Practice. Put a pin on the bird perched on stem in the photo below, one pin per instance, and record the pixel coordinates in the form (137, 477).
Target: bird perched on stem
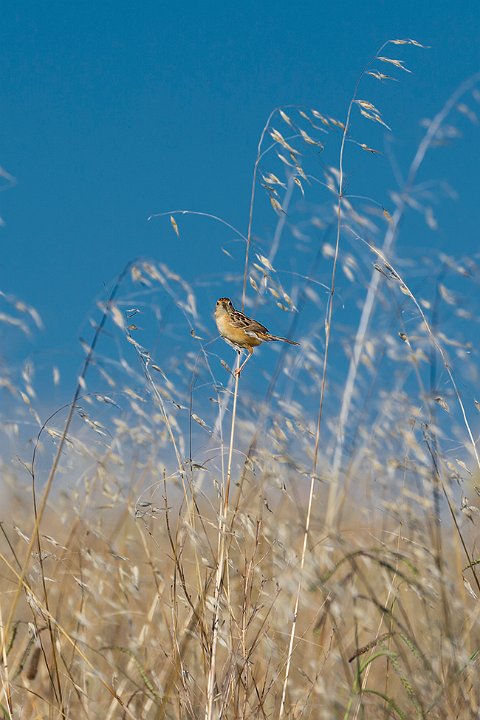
(242, 332)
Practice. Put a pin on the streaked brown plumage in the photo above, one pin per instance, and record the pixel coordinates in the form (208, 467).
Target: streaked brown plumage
(240, 331)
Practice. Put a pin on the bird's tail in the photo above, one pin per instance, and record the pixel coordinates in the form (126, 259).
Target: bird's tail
(276, 337)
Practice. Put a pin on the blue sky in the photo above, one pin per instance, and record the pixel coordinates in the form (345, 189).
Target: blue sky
(114, 111)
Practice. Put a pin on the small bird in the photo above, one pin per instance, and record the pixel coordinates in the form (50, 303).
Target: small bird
(240, 331)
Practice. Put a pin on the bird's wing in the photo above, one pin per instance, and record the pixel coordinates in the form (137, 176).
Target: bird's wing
(241, 321)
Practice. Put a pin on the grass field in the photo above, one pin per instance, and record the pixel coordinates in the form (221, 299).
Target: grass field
(180, 543)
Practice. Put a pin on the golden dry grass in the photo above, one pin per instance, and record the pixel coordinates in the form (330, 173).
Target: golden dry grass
(131, 591)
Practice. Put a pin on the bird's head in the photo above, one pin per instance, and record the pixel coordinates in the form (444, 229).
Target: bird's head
(224, 304)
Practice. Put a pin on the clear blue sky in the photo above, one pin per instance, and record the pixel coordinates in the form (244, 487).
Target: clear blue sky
(113, 111)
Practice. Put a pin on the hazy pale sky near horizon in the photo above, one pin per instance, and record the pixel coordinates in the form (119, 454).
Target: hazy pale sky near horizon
(113, 111)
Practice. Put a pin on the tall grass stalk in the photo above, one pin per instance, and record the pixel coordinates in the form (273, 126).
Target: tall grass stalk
(222, 557)
(328, 327)
(388, 243)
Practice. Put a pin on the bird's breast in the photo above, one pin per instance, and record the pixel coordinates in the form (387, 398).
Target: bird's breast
(236, 335)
